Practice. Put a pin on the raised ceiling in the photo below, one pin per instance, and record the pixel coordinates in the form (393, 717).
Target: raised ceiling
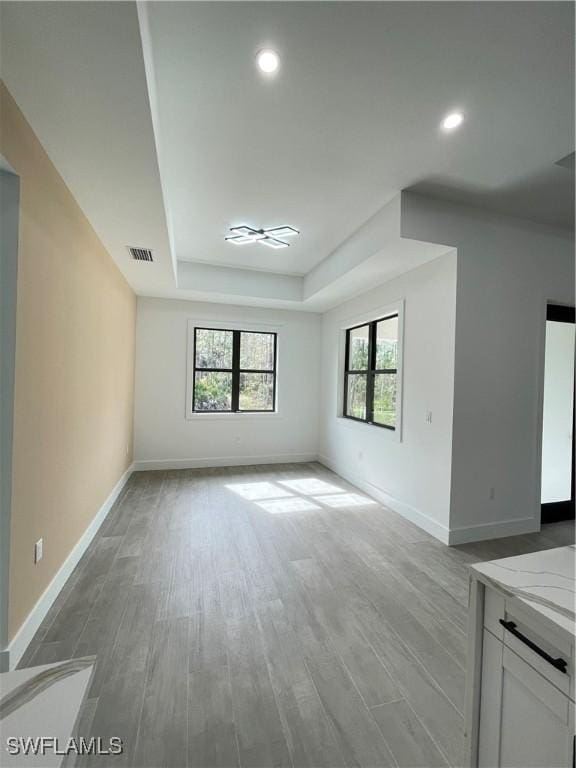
(165, 131)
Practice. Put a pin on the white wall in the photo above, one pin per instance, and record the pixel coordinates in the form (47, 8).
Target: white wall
(473, 355)
(558, 412)
(163, 435)
(411, 476)
(507, 270)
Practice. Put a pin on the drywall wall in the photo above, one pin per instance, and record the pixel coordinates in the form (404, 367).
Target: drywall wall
(74, 370)
(412, 474)
(165, 437)
(508, 269)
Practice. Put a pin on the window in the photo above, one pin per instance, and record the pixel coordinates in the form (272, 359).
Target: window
(234, 371)
(371, 372)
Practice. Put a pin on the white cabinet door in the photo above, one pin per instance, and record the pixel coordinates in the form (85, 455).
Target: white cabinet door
(525, 721)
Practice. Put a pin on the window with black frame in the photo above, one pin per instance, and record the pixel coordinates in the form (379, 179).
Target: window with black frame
(371, 372)
(234, 371)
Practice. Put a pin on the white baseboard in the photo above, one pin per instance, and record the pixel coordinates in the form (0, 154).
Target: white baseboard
(404, 510)
(28, 629)
(498, 530)
(223, 461)
(450, 536)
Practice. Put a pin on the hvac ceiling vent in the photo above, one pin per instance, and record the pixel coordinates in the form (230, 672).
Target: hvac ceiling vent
(140, 254)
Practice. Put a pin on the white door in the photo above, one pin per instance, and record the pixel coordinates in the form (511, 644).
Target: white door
(525, 721)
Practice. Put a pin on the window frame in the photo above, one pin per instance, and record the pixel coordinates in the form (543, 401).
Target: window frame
(371, 371)
(235, 371)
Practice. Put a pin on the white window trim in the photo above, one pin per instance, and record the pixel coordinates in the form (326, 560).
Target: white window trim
(245, 325)
(393, 308)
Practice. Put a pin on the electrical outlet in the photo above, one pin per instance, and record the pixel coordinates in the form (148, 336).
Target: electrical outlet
(38, 550)
(492, 494)
(428, 417)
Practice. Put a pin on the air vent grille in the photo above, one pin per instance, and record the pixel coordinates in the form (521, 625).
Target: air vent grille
(140, 254)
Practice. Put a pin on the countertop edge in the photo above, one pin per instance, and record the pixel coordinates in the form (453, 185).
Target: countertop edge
(526, 604)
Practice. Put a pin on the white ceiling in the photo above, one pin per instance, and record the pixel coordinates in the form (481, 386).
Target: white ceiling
(166, 132)
(77, 73)
(352, 117)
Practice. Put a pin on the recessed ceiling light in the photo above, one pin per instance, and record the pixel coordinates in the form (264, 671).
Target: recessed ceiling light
(268, 61)
(452, 121)
(271, 237)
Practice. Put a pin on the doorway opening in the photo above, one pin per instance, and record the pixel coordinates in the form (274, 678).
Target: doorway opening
(557, 488)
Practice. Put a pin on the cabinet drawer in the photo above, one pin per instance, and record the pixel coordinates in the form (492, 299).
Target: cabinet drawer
(531, 645)
(531, 639)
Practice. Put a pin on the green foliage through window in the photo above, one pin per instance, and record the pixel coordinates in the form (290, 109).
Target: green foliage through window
(370, 389)
(213, 348)
(256, 391)
(212, 391)
(234, 371)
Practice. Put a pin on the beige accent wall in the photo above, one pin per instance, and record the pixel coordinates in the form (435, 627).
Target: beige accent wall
(73, 411)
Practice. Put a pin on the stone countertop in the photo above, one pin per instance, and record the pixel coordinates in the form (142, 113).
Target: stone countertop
(542, 580)
(41, 702)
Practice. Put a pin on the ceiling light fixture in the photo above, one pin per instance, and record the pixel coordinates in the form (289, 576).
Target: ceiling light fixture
(268, 61)
(271, 242)
(271, 237)
(452, 121)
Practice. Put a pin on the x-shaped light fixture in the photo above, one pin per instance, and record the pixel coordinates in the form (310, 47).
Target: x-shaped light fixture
(270, 237)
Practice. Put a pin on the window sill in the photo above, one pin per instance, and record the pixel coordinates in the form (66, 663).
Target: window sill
(248, 416)
(394, 433)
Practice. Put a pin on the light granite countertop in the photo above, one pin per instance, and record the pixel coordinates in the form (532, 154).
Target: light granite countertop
(542, 580)
(41, 702)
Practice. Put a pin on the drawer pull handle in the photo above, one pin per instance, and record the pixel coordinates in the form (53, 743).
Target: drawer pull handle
(560, 664)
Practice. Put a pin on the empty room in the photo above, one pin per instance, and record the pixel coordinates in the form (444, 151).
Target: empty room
(287, 384)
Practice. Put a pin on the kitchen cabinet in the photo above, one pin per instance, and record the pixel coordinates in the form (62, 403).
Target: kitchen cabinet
(520, 678)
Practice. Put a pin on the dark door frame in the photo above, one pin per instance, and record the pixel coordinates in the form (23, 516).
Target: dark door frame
(555, 511)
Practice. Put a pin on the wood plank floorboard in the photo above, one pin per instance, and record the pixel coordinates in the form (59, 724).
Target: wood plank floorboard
(409, 741)
(269, 616)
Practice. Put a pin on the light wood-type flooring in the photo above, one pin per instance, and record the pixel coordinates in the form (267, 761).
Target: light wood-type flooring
(270, 616)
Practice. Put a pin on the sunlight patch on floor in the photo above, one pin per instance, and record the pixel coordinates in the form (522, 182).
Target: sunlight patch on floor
(281, 506)
(311, 486)
(257, 491)
(302, 494)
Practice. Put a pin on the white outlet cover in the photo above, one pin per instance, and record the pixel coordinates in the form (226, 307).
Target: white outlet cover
(38, 550)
